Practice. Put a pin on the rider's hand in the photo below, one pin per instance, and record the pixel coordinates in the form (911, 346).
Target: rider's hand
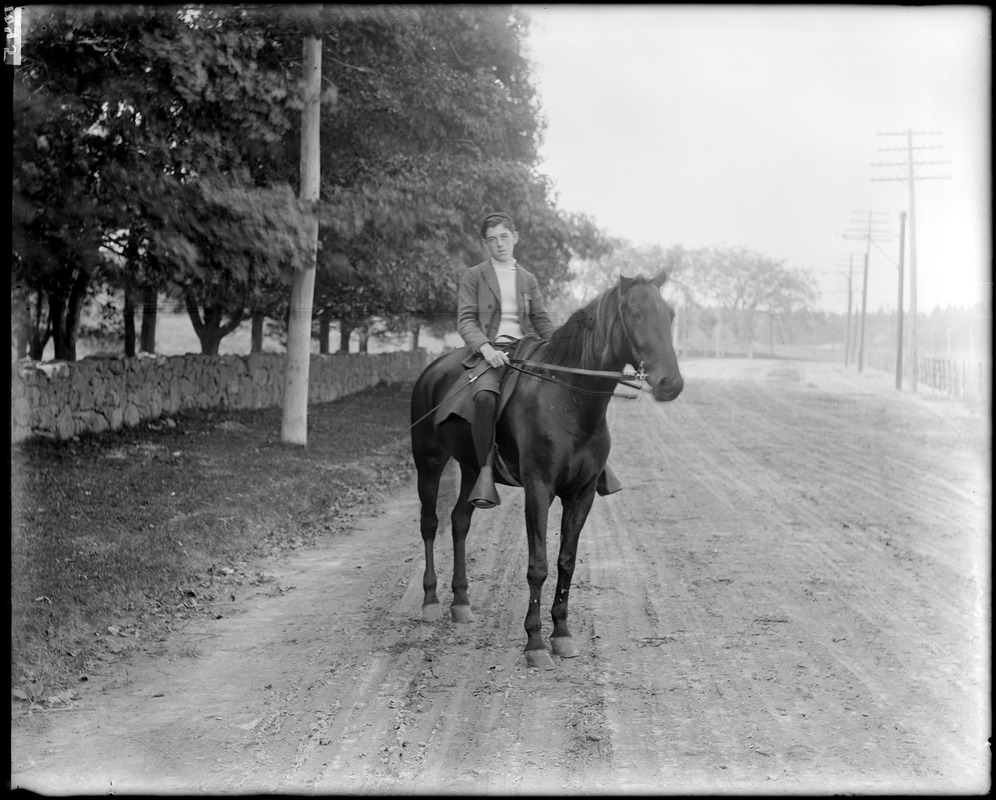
(494, 357)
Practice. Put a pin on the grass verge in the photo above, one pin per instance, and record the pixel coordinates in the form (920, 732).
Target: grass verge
(119, 539)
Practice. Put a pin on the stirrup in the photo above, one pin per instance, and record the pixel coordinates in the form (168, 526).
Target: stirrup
(484, 494)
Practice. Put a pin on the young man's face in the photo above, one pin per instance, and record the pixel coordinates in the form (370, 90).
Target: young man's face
(501, 242)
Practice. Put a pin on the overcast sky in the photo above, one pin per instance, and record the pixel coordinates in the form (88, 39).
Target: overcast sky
(756, 127)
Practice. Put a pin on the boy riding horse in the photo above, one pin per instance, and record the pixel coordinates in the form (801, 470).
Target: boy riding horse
(498, 303)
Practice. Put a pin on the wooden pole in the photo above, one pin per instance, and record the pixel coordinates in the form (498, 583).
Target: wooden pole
(911, 179)
(719, 328)
(294, 428)
(864, 311)
(913, 307)
(847, 341)
(899, 304)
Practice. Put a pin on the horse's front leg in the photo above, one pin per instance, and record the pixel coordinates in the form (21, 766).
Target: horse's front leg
(460, 523)
(572, 521)
(428, 491)
(537, 511)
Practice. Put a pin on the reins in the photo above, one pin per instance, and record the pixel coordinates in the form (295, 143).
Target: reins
(528, 367)
(520, 365)
(620, 377)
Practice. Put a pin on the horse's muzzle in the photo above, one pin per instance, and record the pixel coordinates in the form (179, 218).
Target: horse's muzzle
(667, 387)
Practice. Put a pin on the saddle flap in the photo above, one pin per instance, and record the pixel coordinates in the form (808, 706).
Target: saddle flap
(523, 349)
(459, 401)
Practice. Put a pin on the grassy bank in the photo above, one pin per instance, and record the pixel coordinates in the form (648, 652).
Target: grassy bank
(119, 539)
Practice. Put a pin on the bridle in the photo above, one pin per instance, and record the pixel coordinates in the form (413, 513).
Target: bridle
(526, 366)
(641, 371)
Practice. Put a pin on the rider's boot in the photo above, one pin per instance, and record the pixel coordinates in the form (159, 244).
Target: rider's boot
(608, 482)
(484, 494)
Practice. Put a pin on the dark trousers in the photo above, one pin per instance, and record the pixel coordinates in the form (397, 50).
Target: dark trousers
(486, 389)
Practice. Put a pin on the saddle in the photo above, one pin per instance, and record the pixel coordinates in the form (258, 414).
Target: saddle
(460, 400)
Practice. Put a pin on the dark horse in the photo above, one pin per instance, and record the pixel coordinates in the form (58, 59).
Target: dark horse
(551, 436)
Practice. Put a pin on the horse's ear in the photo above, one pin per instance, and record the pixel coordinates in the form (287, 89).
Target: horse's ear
(659, 278)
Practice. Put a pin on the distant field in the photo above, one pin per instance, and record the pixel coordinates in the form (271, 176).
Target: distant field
(175, 336)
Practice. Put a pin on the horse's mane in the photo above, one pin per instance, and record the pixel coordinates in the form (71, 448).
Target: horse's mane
(581, 341)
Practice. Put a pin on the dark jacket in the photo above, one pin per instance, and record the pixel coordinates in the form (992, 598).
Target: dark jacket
(479, 308)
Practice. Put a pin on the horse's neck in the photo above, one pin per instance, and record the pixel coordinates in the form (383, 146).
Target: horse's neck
(585, 340)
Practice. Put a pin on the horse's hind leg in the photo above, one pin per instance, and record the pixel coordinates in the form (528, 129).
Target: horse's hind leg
(572, 521)
(460, 519)
(429, 473)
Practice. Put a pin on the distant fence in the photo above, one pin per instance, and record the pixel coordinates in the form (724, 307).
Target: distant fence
(68, 398)
(956, 377)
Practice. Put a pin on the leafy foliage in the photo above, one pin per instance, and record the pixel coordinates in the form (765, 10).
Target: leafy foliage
(435, 125)
(604, 261)
(745, 283)
(177, 130)
(56, 216)
(162, 98)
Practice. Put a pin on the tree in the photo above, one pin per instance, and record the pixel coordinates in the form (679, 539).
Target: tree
(230, 85)
(603, 260)
(435, 123)
(743, 283)
(789, 292)
(227, 240)
(163, 99)
(58, 103)
(57, 219)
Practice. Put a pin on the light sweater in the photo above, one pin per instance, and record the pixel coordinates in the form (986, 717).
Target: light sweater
(509, 299)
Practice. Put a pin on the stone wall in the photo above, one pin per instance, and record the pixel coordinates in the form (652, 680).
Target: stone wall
(68, 398)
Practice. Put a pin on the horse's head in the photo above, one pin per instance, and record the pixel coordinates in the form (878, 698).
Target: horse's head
(647, 321)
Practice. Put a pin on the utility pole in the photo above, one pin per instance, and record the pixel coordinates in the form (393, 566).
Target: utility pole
(848, 341)
(719, 328)
(864, 313)
(911, 177)
(899, 304)
(868, 235)
(850, 296)
(294, 423)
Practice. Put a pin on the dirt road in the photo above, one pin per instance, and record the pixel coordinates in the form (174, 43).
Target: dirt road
(792, 595)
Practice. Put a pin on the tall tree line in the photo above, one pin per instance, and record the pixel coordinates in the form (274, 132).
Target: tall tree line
(707, 286)
(156, 151)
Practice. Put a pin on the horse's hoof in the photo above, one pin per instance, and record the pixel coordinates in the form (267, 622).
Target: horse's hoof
(539, 659)
(433, 612)
(462, 614)
(564, 646)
